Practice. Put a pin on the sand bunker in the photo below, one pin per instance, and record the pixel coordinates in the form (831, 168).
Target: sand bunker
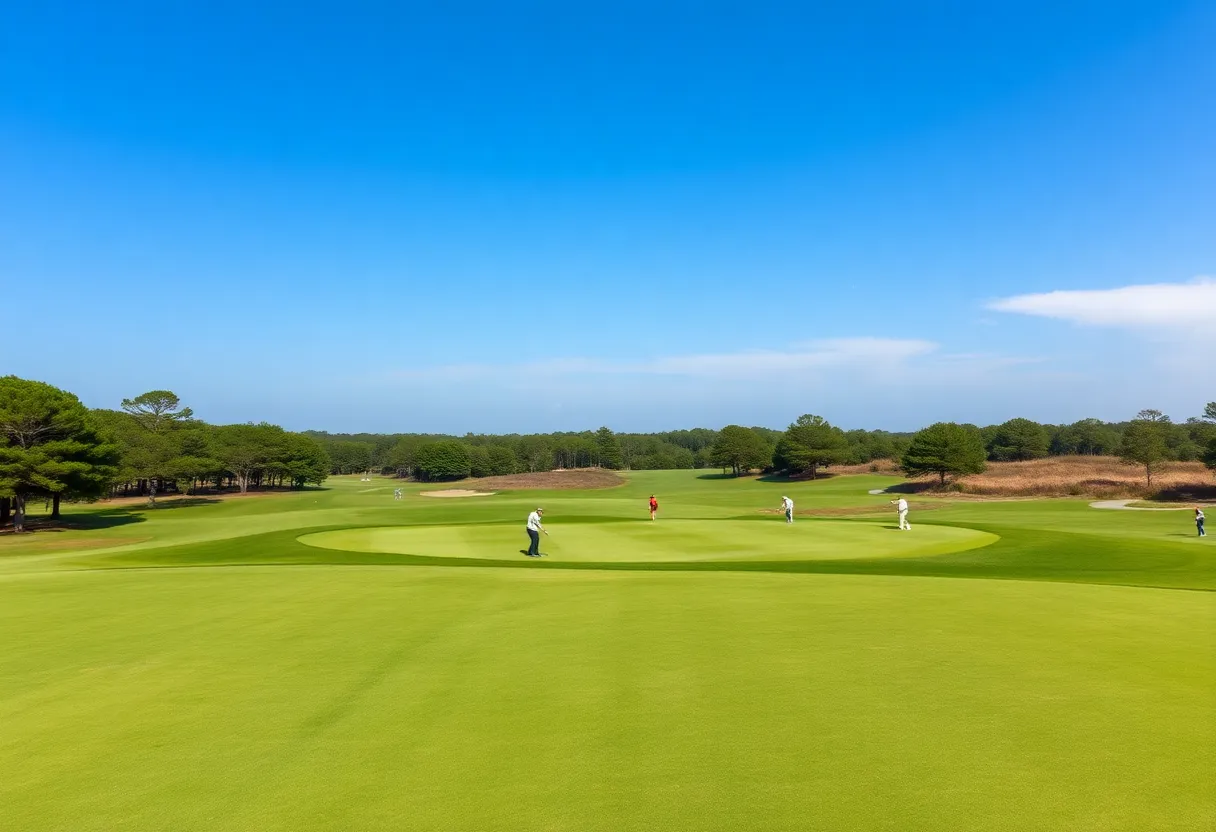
(457, 492)
(1124, 505)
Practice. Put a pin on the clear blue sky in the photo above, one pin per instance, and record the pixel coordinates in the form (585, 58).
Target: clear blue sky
(537, 216)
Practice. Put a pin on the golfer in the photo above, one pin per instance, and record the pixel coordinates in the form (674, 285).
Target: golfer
(901, 506)
(396, 493)
(787, 505)
(1199, 521)
(654, 506)
(535, 527)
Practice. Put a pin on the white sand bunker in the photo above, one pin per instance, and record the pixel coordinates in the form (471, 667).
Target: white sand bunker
(1124, 505)
(457, 492)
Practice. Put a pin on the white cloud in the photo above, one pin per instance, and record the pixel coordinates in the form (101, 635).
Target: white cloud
(1186, 306)
(856, 353)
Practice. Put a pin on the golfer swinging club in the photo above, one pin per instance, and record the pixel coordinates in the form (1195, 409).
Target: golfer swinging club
(1199, 521)
(535, 527)
(787, 505)
(901, 506)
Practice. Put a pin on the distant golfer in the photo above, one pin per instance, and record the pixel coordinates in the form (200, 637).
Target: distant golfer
(535, 527)
(787, 505)
(1199, 521)
(654, 506)
(901, 506)
(396, 493)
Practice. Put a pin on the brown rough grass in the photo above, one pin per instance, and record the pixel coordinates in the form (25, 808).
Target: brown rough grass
(878, 466)
(1100, 477)
(550, 480)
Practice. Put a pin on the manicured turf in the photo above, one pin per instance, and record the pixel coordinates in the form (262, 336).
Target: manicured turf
(1019, 665)
(670, 541)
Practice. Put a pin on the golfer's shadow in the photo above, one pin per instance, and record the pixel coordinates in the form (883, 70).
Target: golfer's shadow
(524, 552)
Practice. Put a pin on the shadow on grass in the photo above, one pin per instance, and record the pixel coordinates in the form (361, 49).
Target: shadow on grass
(83, 522)
(914, 487)
(1186, 494)
(182, 502)
(822, 475)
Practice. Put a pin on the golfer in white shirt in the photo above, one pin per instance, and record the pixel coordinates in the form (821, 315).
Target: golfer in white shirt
(788, 506)
(901, 506)
(535, 527)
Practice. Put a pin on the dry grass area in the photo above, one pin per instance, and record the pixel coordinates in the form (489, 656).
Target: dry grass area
(1100, 477)
(579, 478)
(878, 466)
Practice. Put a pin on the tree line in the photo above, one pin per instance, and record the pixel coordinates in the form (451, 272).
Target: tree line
(1148, 441)
(809, 444)
(436, 457)
(54, 448)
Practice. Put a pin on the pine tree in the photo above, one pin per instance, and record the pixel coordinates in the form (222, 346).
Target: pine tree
(49, 446)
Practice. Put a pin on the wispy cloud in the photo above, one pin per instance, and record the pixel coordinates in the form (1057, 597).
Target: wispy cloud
(1186, 306)
(857, 353)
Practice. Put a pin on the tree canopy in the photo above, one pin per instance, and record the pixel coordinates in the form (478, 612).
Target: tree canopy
(49, 446)
(1018, 440)
(808, 444)
(945, 449)
(447, 460)
(609, 448)
(740, 450)
(1145, 443)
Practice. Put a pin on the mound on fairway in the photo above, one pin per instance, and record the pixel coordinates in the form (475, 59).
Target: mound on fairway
(666, 542)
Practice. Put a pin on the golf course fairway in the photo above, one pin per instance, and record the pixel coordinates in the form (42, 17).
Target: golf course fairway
(334, 659)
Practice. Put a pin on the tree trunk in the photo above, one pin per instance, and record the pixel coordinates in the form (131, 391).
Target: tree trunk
(152, 491)
(19, 513)
(54, 506)
(5, 510)
(942, 474)
(1148, 474)
(814, 470)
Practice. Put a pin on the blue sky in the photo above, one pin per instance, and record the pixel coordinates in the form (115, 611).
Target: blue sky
(545, 216)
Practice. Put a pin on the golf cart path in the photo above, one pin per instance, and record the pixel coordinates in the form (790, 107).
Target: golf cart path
(1123, 504)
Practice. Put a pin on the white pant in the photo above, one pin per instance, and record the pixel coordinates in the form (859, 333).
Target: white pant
(903, 521)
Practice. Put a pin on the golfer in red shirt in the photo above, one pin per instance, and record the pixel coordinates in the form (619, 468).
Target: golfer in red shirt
(654, 506)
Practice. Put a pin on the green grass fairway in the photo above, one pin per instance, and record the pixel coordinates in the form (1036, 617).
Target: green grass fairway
(338, 660)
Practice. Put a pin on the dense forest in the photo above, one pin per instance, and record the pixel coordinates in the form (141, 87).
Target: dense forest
(54, 448)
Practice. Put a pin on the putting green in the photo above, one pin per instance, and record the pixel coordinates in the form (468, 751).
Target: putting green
(668, 541)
